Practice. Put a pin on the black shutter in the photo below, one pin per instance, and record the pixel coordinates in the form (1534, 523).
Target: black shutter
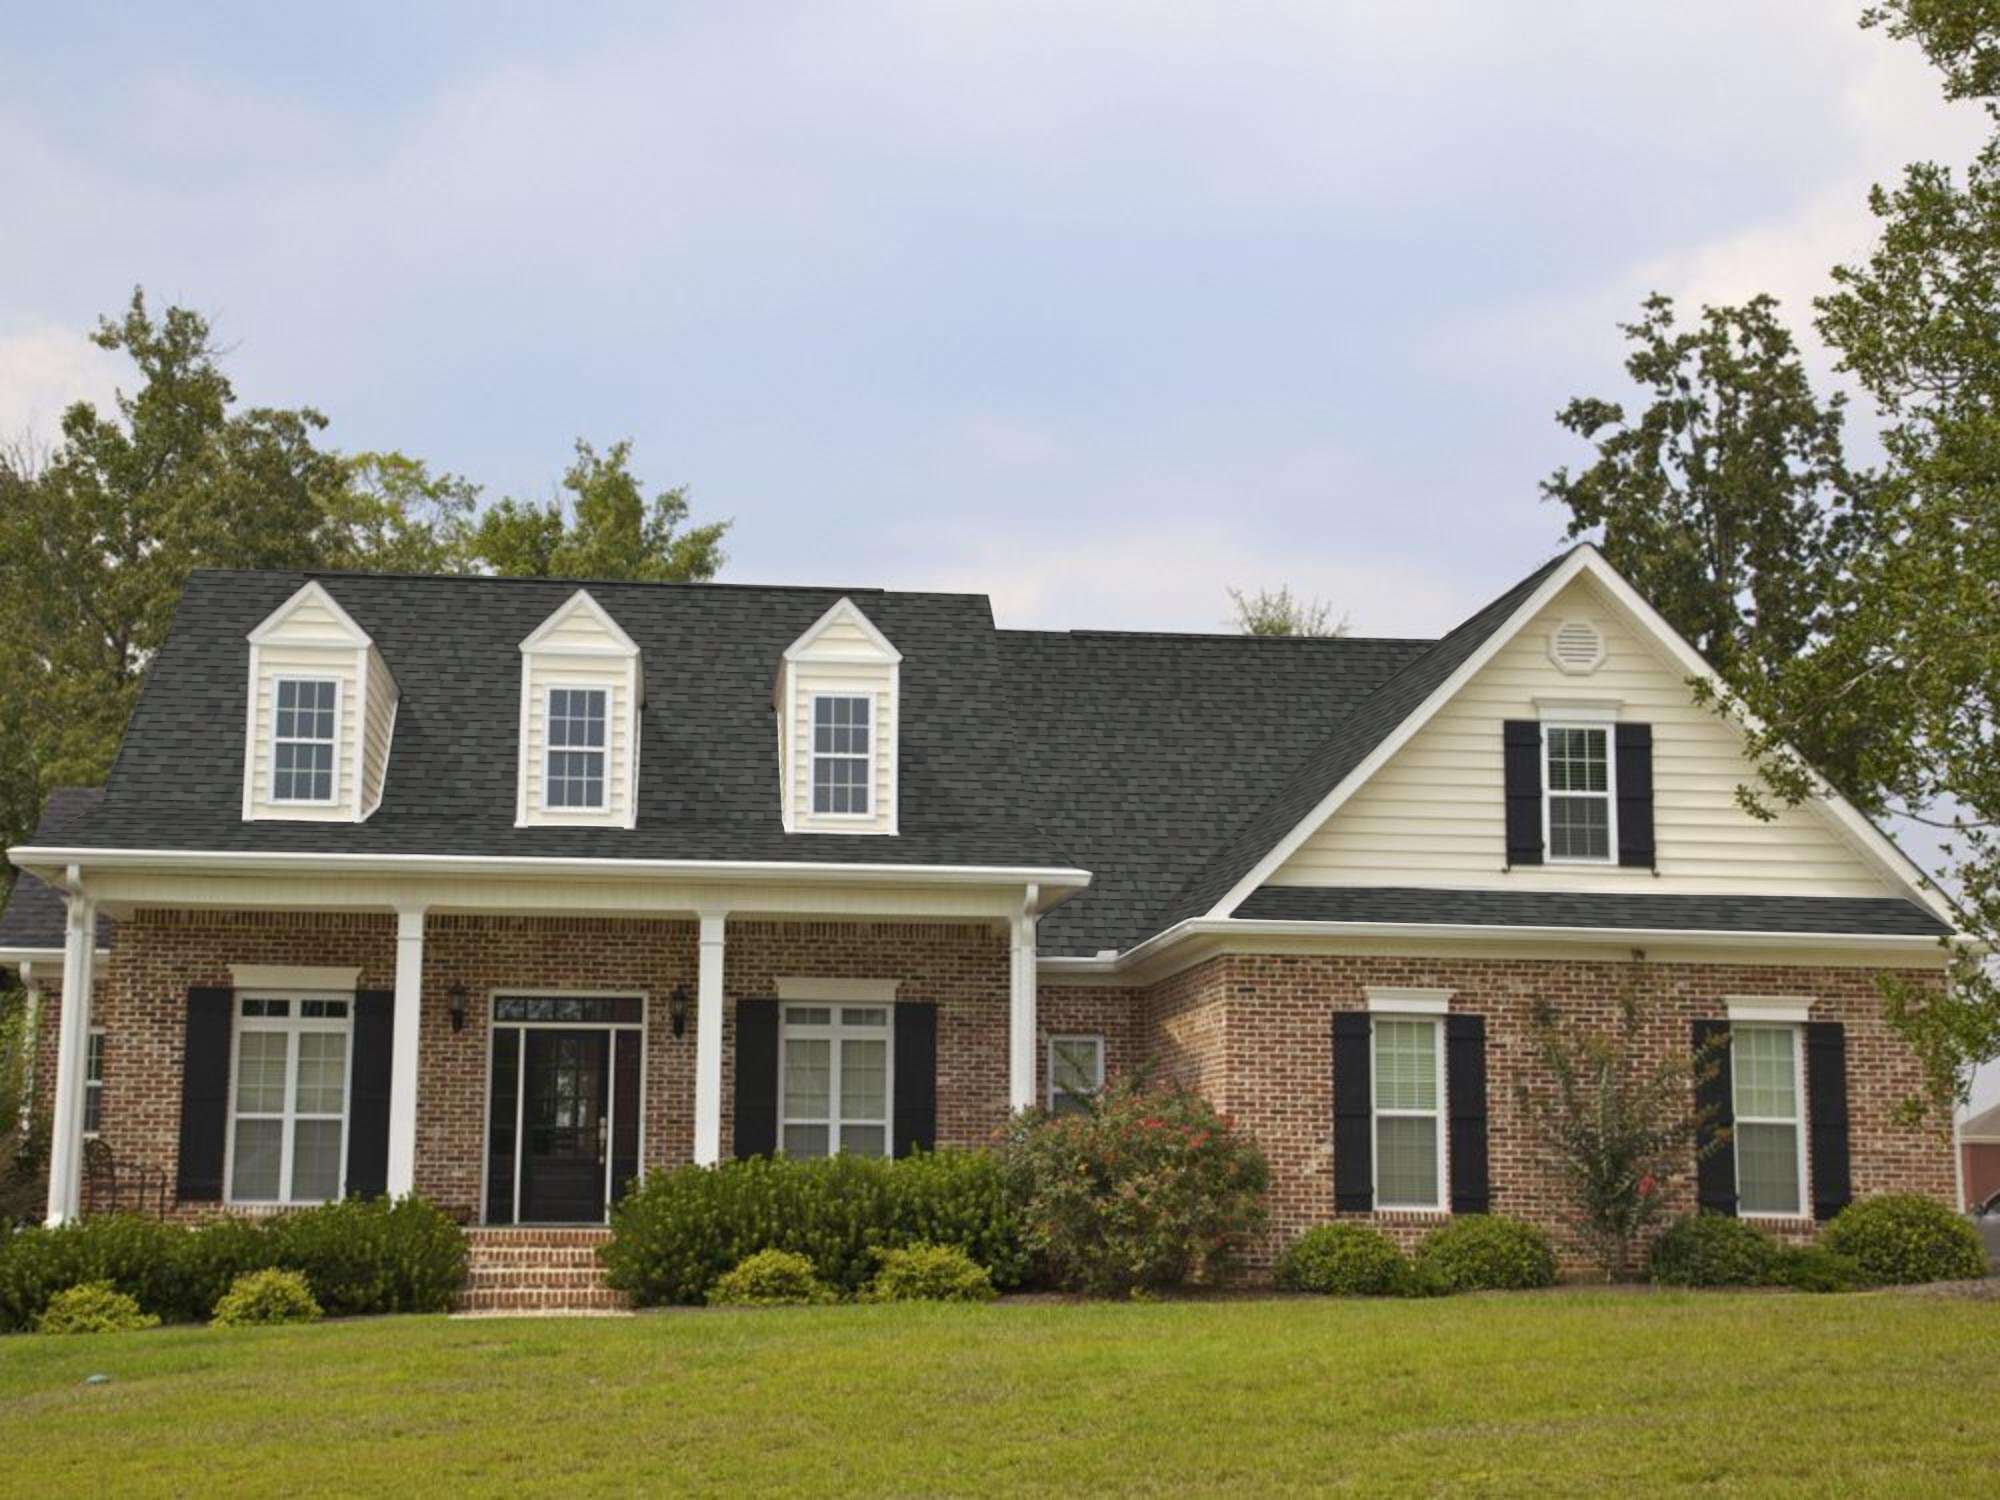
(1353, 1120)
(1634, 750)
(368, 1112)
(756, 1077)
(1826, 1097)
(1522, 741)
(1465, 1083)
(915, 1125)
(204, 1095)
(1715, 1175)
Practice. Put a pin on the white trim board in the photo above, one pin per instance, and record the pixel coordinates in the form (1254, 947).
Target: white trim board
(868, 991)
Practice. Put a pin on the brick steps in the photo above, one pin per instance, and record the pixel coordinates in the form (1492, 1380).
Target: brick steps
(536, 1271)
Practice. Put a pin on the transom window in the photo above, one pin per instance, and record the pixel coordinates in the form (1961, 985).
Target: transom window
(1076, 1073)
(93, 1083)
(842, 758)
(576, 748)
(833, 1083)
(1769, 1139)
(288, 1099)
(1409, 1145)
(1577, 791)
(302, 739)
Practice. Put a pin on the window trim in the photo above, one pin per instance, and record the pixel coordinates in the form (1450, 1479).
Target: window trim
(1096, 1044)
(1437, 1113)
(1797, 1120)
(93, 1083)
(292, 1025)
(833, 1031)
(603, 752)
(1606, 726)
(332, 799)
(814, 754)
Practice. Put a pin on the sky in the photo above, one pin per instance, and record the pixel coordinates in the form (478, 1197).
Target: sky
(1098, 308)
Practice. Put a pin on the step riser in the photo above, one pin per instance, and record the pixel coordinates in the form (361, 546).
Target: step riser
(537, 1271)
(529, 1259)
(537, 1301)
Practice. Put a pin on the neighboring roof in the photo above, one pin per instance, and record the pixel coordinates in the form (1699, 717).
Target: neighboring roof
(34, 915)
(1888, 916)
(1984, 1126)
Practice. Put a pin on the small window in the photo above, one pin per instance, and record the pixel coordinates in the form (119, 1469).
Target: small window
(288, 1101)
(1769, 1139)
(1076, 1073)
(842, 759)
(833, 1084)
(302, 739)
(576, 748)
(93, 1083)
(1409, 1143)
(1577, 799)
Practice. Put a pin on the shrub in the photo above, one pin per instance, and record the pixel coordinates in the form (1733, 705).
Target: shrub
(770, 1278)
(1814, 1268)
(1421, 1279)
(677, 1232)
(1147, 1189)
(930, 1273)
(271, 1296)
(142, 1258)
(1714, 1250)
(1343, 1260)
(1900, 1238)
(1485, 1252)
(93, 1307)
(372, 1255)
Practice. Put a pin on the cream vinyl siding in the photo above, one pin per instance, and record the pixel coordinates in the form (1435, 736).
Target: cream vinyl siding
(579, 646)
(379, 722)
(276, 662)
(311, 637)
(1435, 814)
(844, 656)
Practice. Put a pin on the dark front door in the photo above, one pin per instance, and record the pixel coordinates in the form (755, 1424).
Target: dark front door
(565, 1122)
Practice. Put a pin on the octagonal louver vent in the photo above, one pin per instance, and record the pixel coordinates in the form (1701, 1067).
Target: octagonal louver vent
(1576, 646)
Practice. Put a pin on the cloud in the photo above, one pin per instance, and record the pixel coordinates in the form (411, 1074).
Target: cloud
(43, 369)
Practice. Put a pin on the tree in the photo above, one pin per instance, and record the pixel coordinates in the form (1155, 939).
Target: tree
(1276, 612)
(606, 528)
(392, 515)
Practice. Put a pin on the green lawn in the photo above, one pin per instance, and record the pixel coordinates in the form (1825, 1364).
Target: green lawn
(1573, 1392)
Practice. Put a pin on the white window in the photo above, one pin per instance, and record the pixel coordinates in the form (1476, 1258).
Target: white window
(1577, 792)
(1076, 1072)
(288, 1099)
(576, 748)
(1409, 1138)
(1768, 1134)
(93, 1083)
(843, 759)
(302, 738)
(833, 1080)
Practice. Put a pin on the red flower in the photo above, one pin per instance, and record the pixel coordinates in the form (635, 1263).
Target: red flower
(1647, 1186)
(1152, 1122)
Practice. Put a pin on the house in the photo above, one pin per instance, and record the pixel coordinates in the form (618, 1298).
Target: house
(1979, 1143)
(506, 891)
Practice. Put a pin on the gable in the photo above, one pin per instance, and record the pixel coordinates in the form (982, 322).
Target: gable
(1434, 813)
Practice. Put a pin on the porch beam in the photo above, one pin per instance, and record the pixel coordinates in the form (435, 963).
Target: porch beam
(1021, 1007)
(406, 1034)
(708, 1042)
(72, 1057)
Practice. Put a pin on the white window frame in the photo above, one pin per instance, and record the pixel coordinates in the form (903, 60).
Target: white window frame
(93, 1084)
(1096, 1045)
(602, 752)
(332, 797)
(1376, 1113)
(834, 1032)
(1608, 728)
(815, 755)
(293, 1024)
(1797, 1120)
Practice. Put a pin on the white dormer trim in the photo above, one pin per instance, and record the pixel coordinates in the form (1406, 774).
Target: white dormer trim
(612, 664)
(814, 668)
(621, 644)
(351, 635)
(844, 612)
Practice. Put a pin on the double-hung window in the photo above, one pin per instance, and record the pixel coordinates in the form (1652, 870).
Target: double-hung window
(1076, 1073)
(833, 1085)
(842, 755)
(1577, 792)
(1769, 1134)
(288, 1099)
(576, 748)
(1409, 1088)
(93, 1083)
(302, 739)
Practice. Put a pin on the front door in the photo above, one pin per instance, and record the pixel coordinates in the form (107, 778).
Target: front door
(565, 1125)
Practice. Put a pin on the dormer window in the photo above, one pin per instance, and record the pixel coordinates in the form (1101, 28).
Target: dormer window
(838, 710)
(305, 713)
(576, 748)
(843, 763)
(581, 696)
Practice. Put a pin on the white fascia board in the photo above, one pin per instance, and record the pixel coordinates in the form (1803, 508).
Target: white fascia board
(843, 609)
(622, 644)
(49, 960)
(318, 595)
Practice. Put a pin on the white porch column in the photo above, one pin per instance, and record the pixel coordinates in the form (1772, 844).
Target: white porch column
(72, 1058)
(406, 1034)
(708, 1043)
(1021, 1008)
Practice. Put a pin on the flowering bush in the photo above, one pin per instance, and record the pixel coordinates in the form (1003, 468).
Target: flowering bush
(1149, 1188)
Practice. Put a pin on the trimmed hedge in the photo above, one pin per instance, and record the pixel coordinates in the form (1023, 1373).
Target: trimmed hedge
(1487, 1253)
(677, 1233)
(1899, 1239)
(1714, 1250)
(1343, 1260)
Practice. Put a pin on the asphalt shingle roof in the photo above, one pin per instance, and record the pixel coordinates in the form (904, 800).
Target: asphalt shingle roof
(34, 915)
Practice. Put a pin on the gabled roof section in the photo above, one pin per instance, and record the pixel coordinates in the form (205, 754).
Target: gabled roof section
(841, 623)
(311, 617)
(547, 635)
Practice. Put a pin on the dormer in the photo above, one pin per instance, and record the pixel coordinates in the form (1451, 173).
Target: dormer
(321, 716)
(837, 726)
(581, 693)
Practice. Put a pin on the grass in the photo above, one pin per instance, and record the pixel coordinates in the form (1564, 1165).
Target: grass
(1580, 1392)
